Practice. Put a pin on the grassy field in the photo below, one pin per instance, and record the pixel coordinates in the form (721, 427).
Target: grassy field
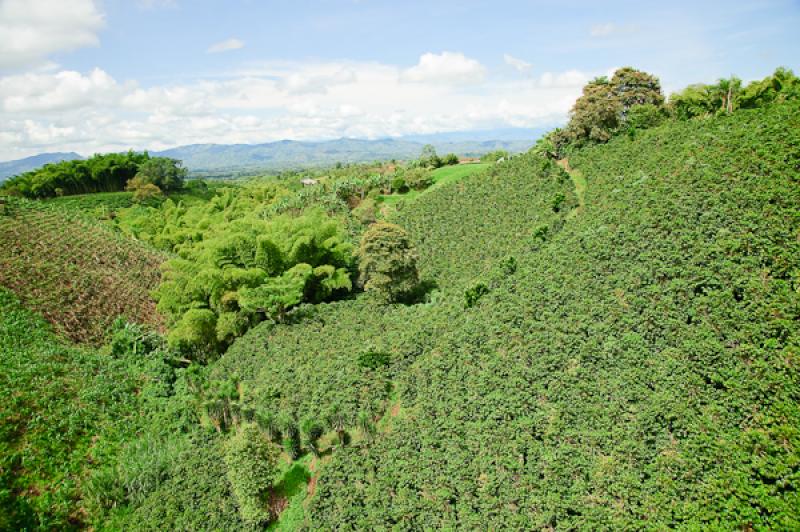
(441, 177)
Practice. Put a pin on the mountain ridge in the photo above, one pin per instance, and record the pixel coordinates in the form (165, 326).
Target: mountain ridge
(209, 159)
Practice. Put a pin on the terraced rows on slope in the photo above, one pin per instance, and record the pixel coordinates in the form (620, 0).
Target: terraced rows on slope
(78, 274)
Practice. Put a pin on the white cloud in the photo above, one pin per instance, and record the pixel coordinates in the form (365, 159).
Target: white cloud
(32, 30)
(65, 90)
(568, 79)
(92, 112)
(609, 29)
(225, 46)
(446, 67)
(518, 64)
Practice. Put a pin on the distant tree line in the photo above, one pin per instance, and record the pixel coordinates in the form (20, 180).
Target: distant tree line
(139, 172)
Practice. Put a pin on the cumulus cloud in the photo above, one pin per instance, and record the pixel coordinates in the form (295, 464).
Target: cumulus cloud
(518, 64)
(65, 90)
(446, 67)
(225, 46)
(32, 30)
(94, 112)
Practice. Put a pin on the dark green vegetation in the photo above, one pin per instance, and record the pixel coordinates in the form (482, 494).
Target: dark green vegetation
(19, 166)
(601, 343)
(638, 365)
(99, 173)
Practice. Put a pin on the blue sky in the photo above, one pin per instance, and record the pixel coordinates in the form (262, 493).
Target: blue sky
(98, 75)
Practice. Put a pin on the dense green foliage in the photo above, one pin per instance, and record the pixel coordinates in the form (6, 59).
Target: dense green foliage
(638, 365)
(63, 412)
(727, 95)
(100, 173)
(494, 156)
(250, 461)
(239, 272)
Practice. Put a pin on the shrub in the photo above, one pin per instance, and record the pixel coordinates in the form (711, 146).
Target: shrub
(557, 201)
(474, 293)
(419, 178)
(250, 462)
(399, 185)
(145, 192)
(450, 159)
(132, 338)
(373, 359)
(195, 333)
(645, 116)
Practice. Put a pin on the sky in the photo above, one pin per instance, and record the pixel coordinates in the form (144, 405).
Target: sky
(110, 75)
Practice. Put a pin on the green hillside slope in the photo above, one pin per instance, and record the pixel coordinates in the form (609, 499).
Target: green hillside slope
(80, 275)
(640, 367)
(635, 362)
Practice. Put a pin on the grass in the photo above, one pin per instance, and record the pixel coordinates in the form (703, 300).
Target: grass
(293, 487)
(55, 400)
(441, 177)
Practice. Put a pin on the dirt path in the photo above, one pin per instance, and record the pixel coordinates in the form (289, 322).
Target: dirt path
(579, 180)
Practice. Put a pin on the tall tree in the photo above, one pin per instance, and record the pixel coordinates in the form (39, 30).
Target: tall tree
(388, 262)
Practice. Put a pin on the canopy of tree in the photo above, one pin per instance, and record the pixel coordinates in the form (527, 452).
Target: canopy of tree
(388, 262)
(99, 173)
(605, 106)
(727, 95)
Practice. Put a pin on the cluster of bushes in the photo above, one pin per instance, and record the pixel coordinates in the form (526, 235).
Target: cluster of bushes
(494, 156)
(147, 176)
(429, 159)
(248, 270)
(727, 95)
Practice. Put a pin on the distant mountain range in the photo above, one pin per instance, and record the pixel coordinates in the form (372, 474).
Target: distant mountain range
(291, 155)
(236, 159)
(12, 168)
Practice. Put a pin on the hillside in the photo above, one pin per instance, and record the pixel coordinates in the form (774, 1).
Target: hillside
(19, 166)
(638, 363)
(77, 273)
